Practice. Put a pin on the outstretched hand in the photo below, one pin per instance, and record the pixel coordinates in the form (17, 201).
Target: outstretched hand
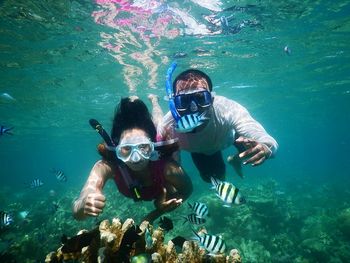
(256, 153)
(167, 205)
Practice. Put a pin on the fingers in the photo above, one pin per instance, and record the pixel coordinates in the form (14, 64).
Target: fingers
(247, 142)
(257, 155)
(94, 204)
(172, 204)
(152, 97)
(133, 98)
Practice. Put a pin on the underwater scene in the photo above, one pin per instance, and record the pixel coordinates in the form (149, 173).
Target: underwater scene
(63, 63)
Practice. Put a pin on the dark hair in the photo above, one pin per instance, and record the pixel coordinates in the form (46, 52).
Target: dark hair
(192, 76)
(130, 114)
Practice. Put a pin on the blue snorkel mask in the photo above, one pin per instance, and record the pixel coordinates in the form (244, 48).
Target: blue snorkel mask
(187, 122)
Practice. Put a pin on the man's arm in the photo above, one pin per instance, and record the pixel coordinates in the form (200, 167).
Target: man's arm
(254, 143)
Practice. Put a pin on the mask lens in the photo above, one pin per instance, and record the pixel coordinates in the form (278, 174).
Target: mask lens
(125, 151)
(203, 99)
(182, 102)
(145, 149)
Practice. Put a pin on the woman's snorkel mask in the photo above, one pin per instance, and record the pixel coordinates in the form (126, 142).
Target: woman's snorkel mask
(187, 122)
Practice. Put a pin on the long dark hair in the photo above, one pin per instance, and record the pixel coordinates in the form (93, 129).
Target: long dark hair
(130, 114)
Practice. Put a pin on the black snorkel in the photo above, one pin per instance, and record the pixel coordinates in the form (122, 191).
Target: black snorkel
(133, 185)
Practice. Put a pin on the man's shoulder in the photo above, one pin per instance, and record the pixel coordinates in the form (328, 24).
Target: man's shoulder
(224, 105)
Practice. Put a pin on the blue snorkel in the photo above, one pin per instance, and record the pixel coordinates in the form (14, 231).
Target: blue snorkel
(169, 91)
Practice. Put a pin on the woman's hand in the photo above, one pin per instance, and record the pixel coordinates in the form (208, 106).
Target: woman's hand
(94, 204)
(164, 205)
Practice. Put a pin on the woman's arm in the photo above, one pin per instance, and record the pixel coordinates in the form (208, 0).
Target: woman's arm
(91, 200)
(157, 113)
(178, 183)
(177, 189)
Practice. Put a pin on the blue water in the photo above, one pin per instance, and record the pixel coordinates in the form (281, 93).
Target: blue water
(63, 67)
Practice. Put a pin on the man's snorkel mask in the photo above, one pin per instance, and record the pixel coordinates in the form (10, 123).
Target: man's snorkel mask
(188, 122)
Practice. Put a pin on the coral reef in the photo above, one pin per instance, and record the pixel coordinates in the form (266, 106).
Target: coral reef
(120, 242)
(343, 221)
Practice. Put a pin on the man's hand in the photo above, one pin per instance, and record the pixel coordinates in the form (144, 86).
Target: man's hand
(94, 204)
(167, 205)
(256, 153)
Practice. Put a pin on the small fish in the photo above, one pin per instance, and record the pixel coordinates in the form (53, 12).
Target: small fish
(5, 130)
(60, 176)
(200, 209)
(194, 219)
(23, 214)
(76, 243)
(5, 219)
(141, 258)
(35, 183)
(213, 244)
(7, 96)
(166, 223)
(148, 239)
(178, 241)
(227, 192)
(189, 122)
(287, 50)
(180, 55)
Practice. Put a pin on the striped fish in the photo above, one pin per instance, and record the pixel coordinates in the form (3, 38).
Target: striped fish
(60, 176)
(5, 219)
(194, 219)
(35, 183)
(189, 122)
(227, 192)
(200, 209)
(213, 244)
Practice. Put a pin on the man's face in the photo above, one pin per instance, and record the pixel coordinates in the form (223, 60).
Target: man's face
(192, 95)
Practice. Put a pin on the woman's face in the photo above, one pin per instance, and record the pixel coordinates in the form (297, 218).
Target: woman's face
(134, 145)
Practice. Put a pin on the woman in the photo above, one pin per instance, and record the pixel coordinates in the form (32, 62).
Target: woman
(136, 171)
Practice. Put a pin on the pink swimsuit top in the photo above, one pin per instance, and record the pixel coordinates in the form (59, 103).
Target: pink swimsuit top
(147, 193)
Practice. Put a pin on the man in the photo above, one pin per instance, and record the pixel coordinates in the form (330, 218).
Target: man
(206, 124)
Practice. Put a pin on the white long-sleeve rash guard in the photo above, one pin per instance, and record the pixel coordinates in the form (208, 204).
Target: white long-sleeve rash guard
(228, 120)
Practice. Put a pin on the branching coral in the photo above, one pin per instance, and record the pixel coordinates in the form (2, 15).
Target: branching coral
(119, 242)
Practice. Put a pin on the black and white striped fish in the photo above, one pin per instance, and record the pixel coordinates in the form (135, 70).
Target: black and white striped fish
(5, 219)
(200, 209)
(194, 219)
(213, 244)
(35, 183)
(60, 176)
(189, 122)
(227, 192)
